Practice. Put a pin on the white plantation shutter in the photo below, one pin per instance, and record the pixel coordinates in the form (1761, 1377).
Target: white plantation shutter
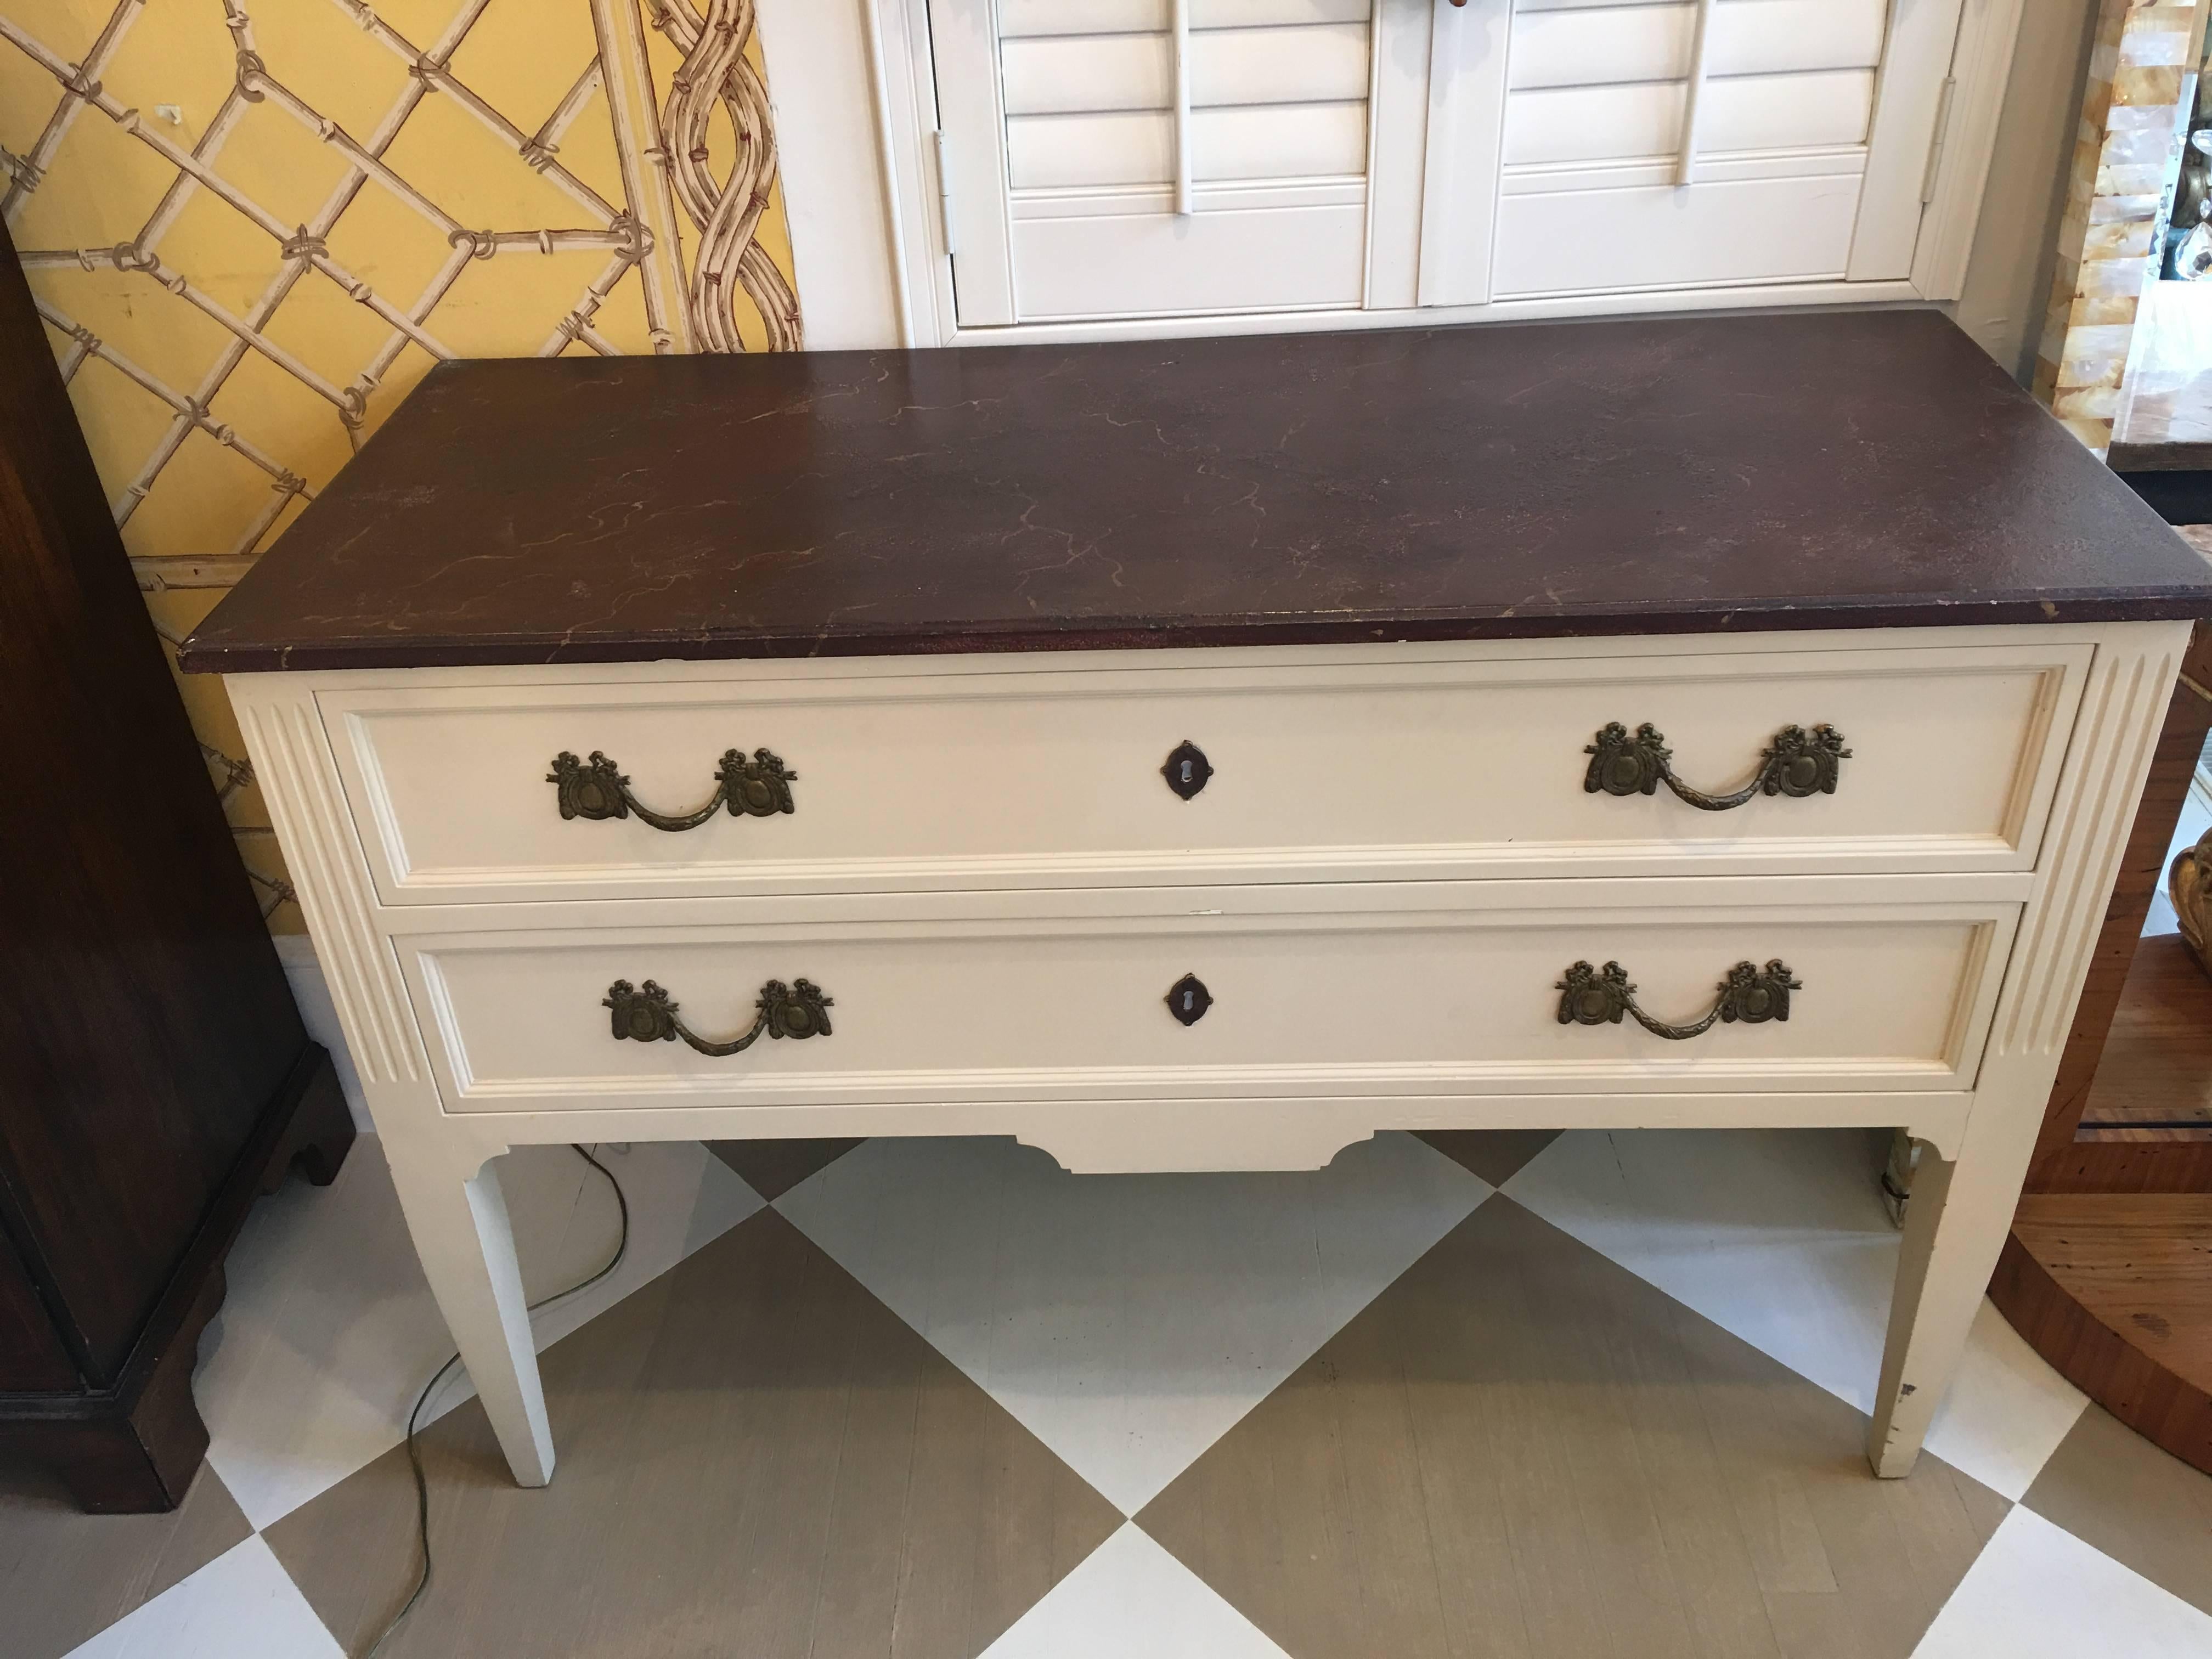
(1604, 187)
(1074, 130)
(1571, 147)
(1648, 145)
(1594, 82)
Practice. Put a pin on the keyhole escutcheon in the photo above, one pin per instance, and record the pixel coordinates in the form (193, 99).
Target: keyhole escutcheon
(1187, 998)
(1187, 769)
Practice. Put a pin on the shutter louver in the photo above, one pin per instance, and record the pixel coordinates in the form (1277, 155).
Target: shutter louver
(1277, 133)
(1594, 142)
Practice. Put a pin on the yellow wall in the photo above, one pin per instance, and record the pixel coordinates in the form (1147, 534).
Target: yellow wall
(252, 226)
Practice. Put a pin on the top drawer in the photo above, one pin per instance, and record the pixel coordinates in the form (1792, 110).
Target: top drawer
(1395, 763)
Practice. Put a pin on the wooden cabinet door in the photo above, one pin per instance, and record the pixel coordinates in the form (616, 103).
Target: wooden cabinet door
(1581, 147)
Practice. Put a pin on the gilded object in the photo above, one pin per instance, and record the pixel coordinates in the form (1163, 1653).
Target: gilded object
(2189, 881)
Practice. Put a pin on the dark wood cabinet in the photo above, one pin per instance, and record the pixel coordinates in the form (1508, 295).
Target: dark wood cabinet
(155, 1075)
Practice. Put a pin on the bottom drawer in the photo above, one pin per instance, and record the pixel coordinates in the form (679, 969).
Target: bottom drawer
(1340, 996)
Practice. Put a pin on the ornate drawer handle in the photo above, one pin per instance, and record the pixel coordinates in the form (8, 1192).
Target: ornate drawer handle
(1591, 996)
(645, 1014)
(596, 788)
(1798, 763)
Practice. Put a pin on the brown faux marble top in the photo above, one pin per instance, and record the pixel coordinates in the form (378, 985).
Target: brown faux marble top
(1739, 473)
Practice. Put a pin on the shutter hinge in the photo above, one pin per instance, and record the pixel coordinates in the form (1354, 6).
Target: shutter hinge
(1935, 145)
(944, 192)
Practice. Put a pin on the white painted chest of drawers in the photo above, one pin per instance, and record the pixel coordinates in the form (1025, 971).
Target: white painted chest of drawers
(1395, 860)
(967, 828)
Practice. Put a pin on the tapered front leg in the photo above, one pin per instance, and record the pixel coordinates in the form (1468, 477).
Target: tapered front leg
(459, 1220)
(1955, 1228)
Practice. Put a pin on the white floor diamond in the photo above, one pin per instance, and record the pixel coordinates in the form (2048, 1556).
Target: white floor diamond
(1779, 1236)
(2038, 1592)
(1127, 1320)
(1132, 1600)
(242, 1605)
(329, 1330)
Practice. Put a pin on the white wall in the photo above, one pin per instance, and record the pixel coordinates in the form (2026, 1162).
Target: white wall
(2016, 241)
(818, 78)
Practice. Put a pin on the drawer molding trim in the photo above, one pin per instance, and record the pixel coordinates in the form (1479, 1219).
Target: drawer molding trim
(1078, 993)
(2125, 701)
(285, 736)
(1960, 749)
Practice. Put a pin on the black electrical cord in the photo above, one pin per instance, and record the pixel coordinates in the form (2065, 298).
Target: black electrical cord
(414, 1424)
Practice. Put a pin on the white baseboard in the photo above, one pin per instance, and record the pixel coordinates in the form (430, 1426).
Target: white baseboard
(312, 992)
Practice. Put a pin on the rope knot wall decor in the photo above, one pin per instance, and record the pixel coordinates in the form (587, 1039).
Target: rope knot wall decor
(725, 213)
(636, 241)
(24, 173)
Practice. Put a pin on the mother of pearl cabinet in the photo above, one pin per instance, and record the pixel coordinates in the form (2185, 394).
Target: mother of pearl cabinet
(1118, 161)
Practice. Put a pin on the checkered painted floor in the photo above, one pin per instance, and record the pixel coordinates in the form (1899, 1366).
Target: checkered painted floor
(1484, 1394)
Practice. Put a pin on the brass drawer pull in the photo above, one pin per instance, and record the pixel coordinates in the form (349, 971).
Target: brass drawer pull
(1591, 996)
(646, 1014)
(596, 788)
(1798, 763)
